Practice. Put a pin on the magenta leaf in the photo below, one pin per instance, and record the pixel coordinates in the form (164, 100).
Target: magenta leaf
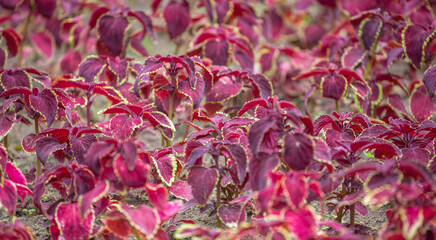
(46, 104)
(177, 17)
(44, 42)
(202, 190)
(158, 197)
(166, 167)
(182, 190)
(8, 196)
(421, 105)
(13, 40)
(6, 123)
(223, 90)
(415, 40)
(123, 127)
(46, 146)
(412, 218)
(92, 196)
(143, 218)
(70, 61)
(111, 31)
(299, 151)
(135, 178)
(70, 223)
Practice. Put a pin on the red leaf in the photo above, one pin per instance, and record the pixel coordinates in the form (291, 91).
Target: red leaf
(91, 68)
(70, 61)
(13, 40)
(259, 167)
(166, 167)
(369, 32)
(143, 218)
(429, 80)
(46, 7)
(123, 127)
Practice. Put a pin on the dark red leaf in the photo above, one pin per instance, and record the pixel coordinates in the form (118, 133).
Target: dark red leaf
(259, 166)
(369, 32)
(230, 214)
(91, 68)
(421, 105)
(182, 190)
(14, 78)
(8, 196)
(46, 7)
(333, 86)
(429, 80)
(92, 196)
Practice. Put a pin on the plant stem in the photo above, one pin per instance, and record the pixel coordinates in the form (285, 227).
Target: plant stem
(352, 211)
(38, 162)
(123, 198)
(218, 202)
(368, 67)
(170, 113)
(88, 114)
(337, 106)
(24, 33)
(135, 231)
(341, 210)
(5, 142)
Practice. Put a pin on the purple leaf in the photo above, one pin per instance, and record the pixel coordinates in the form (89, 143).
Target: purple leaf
(91, 68)
(421, 105)
(333, 86)
(80, 146)
(123, 127)
(46, 104)
(218, 51)
(369, 32)
(415, 40)
(46, 7)
(177, 17)
(14, 78)
(429, 80)
(299, 151)
(135, 178)
(111, 31)
(259, 167)
(143, 218)
(46, 146)
(202, 190)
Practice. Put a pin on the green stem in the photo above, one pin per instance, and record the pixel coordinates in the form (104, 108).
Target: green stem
(368, 67)
(38, 162)
(337, 106)
(135, 231)
(5, 142)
